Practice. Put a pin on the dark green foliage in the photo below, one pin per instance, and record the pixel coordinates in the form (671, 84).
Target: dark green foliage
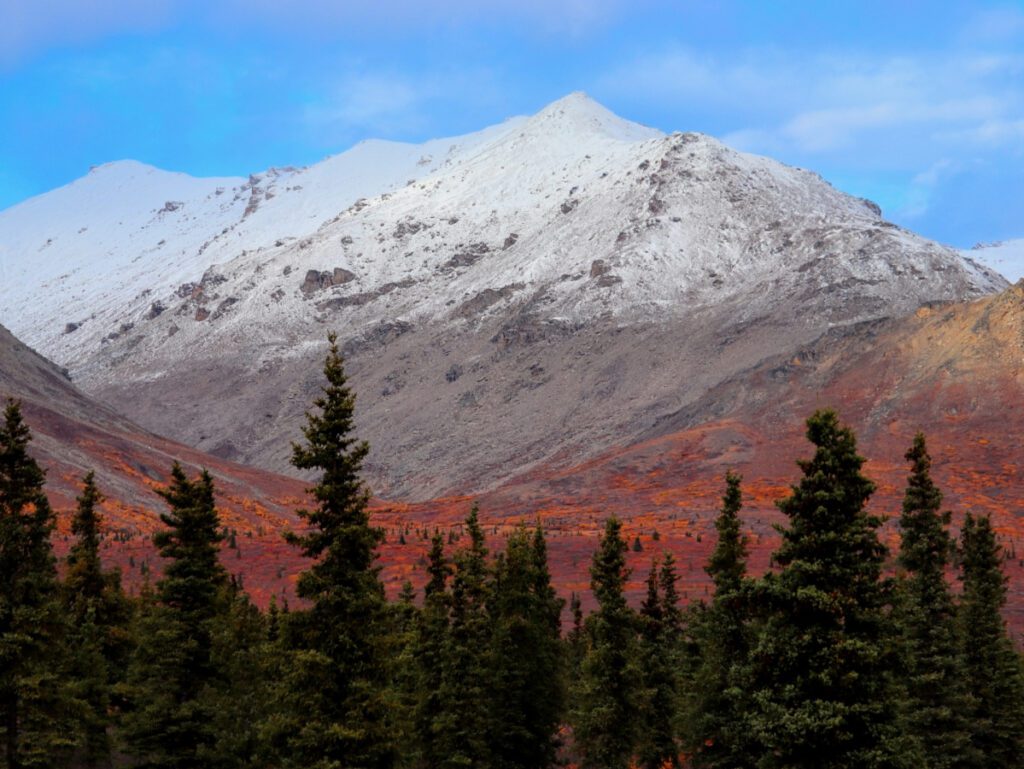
(607, 693)
(403, 675)
(170, 717)
(821, 676)
(659, 675)
(936, 702)
(99, 636)
(431, 643)
(992, 667)
(246, 660)
(35, 708)
(576, 641)
(526, 685)
(333, 711)
(462, 726)
(719, 734)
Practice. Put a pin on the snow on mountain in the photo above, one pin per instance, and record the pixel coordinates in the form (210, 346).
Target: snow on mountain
(570, 269)
(1005, 257)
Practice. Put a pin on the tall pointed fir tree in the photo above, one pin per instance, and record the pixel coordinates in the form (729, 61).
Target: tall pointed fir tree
(936, 699)
(463, 726)
(823, 686)
(607, 694)
(35, 711)
(526, 679)
(992, 666)
(333, 705)
(719, 736)
(659, 678)
(99, 634)
(431, 642)
(170, 718)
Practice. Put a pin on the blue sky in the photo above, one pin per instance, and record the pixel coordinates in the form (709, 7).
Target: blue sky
(917, 105)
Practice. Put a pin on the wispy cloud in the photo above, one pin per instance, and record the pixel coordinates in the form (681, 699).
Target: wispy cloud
(820, 103)
(31, 25)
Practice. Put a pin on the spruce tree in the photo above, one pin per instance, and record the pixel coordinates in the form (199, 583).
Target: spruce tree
(403, 675)
(992, 667)
(576, 641)
(936, 700)
(99, 637)
(463, 725)
(247, 662)
(659, 678)
(335, 711)
(526, 680)
(823, 685)
(667, 579)
(719, 736)
(35, 709)
(607, 693)
(431, 642)
(172, 676)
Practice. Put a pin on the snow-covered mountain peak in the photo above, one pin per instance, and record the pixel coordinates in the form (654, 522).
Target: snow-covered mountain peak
(463, 274)
(578, 114)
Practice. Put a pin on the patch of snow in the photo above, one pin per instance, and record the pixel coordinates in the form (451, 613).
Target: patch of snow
(1005, 257)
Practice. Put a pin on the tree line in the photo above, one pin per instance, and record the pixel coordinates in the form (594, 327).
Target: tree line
(825, 661)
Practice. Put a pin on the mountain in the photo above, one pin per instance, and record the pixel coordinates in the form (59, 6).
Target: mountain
(73, 434)
(1006, 257)
(523, 298)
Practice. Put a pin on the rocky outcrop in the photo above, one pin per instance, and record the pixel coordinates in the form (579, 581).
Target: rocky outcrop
(317, 280)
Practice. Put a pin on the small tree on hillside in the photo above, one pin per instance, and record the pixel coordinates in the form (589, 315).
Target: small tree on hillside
(332, 709)
(607, 693)
(993, 668)
(936, 700)
(35, 710)
(99, 633)
(822, 685)
(170, 721)
(719, 734)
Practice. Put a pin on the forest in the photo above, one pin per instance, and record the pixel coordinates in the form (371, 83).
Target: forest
(843, 655)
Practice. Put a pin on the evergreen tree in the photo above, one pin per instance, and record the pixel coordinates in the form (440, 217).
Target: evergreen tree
(463, 725)
(993, 668)
(658, 747)
(822, 685)
(403, 624)
(936, 701)
(336, 715)
(35, 710)
(246, 660)
(431, 642)
(526, 686)
(607, 695)
(719, 734)
(99, 637)
(576, 641)
(171, 717)
(667, 578)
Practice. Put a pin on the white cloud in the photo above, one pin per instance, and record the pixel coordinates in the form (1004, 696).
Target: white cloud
(358, 102)
(819, 103)
(922, 187)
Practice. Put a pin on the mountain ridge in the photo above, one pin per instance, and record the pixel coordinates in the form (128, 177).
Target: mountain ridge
(543, 290)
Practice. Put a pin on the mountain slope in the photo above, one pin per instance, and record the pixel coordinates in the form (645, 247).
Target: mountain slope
(528, 296)
(1005, 257)
(73, 434)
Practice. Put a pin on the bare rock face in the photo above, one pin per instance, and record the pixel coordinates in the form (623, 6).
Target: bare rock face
(540, 291)
(317, 280)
